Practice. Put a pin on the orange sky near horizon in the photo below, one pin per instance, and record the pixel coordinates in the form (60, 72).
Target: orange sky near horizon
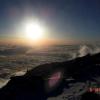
(46, 41)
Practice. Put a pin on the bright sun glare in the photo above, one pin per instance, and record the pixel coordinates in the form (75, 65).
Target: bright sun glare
(34, 31)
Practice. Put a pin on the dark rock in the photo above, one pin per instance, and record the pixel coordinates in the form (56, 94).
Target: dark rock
(34, 85)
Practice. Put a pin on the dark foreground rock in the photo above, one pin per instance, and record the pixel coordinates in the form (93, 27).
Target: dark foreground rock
(90, 96)
(49, 80)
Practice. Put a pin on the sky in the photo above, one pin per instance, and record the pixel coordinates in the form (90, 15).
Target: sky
(65, 19)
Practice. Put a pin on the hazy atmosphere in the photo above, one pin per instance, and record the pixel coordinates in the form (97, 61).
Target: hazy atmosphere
(36, 32)
(60, 21)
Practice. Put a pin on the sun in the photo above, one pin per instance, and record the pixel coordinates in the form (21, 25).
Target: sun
(34, 31)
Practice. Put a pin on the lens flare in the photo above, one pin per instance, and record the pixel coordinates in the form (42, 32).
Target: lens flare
(54, 79)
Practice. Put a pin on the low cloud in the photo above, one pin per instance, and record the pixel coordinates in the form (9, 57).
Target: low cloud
(84, 50)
